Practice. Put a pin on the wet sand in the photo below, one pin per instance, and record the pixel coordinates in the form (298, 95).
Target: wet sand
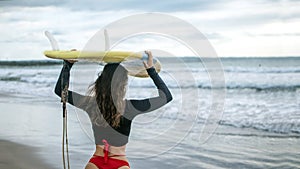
(31, 139)
(16, 156)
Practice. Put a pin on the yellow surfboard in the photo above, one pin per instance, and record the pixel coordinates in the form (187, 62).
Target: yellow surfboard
(132, 61)
(101, 56)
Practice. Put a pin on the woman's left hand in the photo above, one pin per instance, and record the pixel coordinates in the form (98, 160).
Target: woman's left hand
(72, 61)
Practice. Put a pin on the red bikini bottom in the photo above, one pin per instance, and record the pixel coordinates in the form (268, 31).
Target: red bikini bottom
(111, 163)
(106, 162)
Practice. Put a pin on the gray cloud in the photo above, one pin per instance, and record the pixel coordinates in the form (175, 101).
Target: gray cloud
(175, 6)
(30, 3)
(106, 5)
(273, 34)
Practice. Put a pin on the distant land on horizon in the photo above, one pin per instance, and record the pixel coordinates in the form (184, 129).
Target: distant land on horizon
(46, 61)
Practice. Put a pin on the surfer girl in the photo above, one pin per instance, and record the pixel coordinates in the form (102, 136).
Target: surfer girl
(111, 114)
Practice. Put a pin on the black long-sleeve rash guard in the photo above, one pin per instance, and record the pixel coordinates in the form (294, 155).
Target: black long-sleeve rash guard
(117, 136)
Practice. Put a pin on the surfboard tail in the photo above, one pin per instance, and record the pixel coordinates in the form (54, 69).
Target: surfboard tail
(52, 40)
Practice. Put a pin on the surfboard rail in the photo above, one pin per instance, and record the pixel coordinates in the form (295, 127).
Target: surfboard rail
(105, 56)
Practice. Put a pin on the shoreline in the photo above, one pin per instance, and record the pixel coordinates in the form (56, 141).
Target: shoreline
(15, 156)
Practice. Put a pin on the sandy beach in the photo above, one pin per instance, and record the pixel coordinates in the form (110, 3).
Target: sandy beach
(16, 156)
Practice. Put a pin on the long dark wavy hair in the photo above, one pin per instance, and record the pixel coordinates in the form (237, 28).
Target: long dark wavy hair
(109, 90)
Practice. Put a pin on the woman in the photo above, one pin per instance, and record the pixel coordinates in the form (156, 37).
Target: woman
(111, 115)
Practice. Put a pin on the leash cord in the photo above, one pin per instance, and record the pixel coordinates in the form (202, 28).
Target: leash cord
(64, 99)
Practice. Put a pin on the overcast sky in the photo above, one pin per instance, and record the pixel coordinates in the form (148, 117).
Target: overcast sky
(234, 28)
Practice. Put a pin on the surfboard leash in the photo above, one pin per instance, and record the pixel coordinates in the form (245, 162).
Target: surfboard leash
(64, 99)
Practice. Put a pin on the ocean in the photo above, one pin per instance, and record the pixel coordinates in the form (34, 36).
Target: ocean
(257, 126)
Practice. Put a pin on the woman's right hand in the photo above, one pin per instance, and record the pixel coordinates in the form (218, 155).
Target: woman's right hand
(149, 63)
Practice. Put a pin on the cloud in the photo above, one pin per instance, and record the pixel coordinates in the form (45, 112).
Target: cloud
(31, 3)
(225, 13)
(73, 22)
(275, 34)
(116, 5)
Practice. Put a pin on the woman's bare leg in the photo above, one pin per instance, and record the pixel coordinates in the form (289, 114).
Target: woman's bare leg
(91, 166)
(124, 167)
